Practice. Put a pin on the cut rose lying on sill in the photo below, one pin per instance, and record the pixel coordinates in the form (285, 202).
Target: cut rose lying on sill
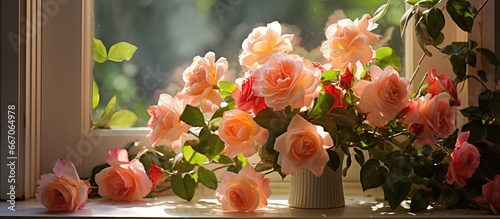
(295, 113)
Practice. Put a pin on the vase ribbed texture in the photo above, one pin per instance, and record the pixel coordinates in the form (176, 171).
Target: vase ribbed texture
(310, 191)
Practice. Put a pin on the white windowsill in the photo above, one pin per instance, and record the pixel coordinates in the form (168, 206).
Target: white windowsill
(360, 205)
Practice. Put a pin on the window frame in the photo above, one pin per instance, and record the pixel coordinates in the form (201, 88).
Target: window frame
(67, 64)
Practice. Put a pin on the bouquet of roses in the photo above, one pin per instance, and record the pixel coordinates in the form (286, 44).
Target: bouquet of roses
(297, 115)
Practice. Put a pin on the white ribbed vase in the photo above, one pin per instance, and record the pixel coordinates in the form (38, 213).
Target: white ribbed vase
(309, 191)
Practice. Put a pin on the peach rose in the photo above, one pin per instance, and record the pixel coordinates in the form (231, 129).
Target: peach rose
(286, 80)
(246, 191)
(384, 97)
(200, 78)
(348, 42)
(435, 114)
(241, 133)
(165, 124)
(303, 146)
(123, 180)
(245, 97)
(262, 43)
(62, 191)
(155, 174)
(464, 161)
(491, 191)
(337, 95)
(438, 84)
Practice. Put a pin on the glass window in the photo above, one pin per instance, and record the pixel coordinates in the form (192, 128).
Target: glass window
(168, 34)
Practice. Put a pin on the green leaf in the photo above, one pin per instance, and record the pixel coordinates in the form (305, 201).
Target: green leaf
(272, 120)
(489, 56)
(422, 37)
(359, 156)
(478, 130)
(419, 201)
(427, 3)
(95, 94)
(223, 159)
(99, 53)
(484, 100)
(330, 75)
(122, 119)
(425, 150)
(240, 161)
(412, 1)
(322, 105)
(435, 23)
(438, 156)
(227, 86)
(380, 12)
(219, 112)
(406, 18)
(470, 58)
(184, 187)
(482, 75)
(386, 56)
(193, 116)
(348, 163)
(397, 192)
(207, 178)
(471, 112)
(263, 167)
(368, 140)
(495, 105)
(106, 115)
(121, 51)
(147, 159)
(329, 126)
(423, 167)
(459, 66)
(192, 156)
(342, 117)
(372, 175)
(454, 48)
(334, 161)
(459, 11)
(214, 124)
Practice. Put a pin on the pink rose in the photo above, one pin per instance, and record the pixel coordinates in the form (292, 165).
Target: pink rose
(464, 161)
(348, 42)
(165, 124)
(241, 133)
(155, 174)
(200, 78)
(441, 83)
(62, 190)
(384, 97)
(246, 191)
(264, 42)
(245, 97)
(435, 114)
(346, 79)
(337, 95)
(286, 80)
(123, 180)
(491, 191)
(303, 146)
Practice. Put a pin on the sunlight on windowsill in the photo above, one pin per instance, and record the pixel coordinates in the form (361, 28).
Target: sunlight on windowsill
(358, 205)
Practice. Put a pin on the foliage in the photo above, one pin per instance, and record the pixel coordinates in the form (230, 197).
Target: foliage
(404, 168)
(110, 117)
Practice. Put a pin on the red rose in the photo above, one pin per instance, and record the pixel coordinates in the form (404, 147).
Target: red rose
(155, 174)
(346, 79)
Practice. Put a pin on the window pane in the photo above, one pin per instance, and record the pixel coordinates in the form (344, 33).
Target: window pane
(169, 33)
